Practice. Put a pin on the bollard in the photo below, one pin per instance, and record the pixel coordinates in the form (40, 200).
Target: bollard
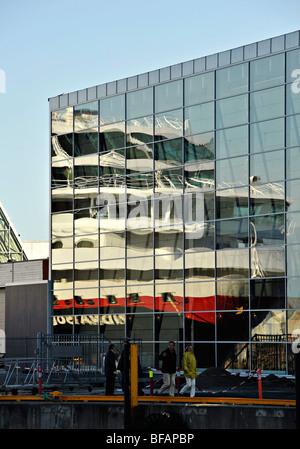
(259, 384)
(178, 379)
(151, 381)
(40, 380)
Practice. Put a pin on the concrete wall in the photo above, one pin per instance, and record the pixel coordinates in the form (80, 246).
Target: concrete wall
(93, 415)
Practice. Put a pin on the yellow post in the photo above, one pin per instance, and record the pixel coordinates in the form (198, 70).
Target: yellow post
(134, 375)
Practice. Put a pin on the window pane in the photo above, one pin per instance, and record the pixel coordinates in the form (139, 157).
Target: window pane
(267, 230)
(168, 96)
(203, 242)
(233, 262)
(112, 136)
(62, 121)
(267, 104)
(232, 142)
(293, 195)
(140, 326)
(199, 119)
(293, 97)
(267, 199)
(267, 167)
(232, 326)
(232, 172)
(232, 203)
(267, 293)
(233, 295)
(139, 103)
(112, 109)
(168, 153)
(139, 131)
(62, 173)
(139, 158)
(199, 147)
(139, 269)
(232, 81)
(86, 142)
(265, 325)
(267, 72)
(293, 227)
(199, 296)
(169, 298)
(292, 63)
(169, 125)
(199, 266)
(86, 170)
(198, 89)
(267, 136)
(293, 293)
(267, 261)
(199, 176)
(232, 233)
(62, 146)
(86, 116)
(112, 164)
(292, 131)
(293, 260)
(232, 111)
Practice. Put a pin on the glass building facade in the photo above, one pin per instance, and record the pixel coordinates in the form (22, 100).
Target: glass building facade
(175, 208)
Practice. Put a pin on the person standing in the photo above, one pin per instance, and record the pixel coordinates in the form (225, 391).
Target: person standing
(189, 365)
(110, 370)
(168, 357)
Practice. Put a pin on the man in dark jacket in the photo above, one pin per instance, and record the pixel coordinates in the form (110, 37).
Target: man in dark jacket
(168, 357)
(110, 370)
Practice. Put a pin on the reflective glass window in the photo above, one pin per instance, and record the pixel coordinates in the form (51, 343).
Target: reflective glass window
(267, 167)
(62, 146)
(232, 142)
(62, 253)
(169, 96)
(139, 158)
(268, 135)
(199, 88)
(139, 211)
(232, 233)
(201, 239)
(293, 227)
(169, 125)
(112, 271)
(140, 181)
(267, 261)
(199, 119)
(292, 66)
(168, 181)
(86, 170)
(267, 356)
(112, 300)
(232, 81)
(140, 326)
(139, 243)
(292, 131)
(112, 136)
(267, 230)
(140, 298)
(293, 96)
(293, 260)
(167, 324)
(86, 301)
(268, 324)
(199, 176)
(86, 116)
(168, 153)
(293, 195)
(86, 142)
(112, 245)
(62, 225)
(169, 298)
(168, 242)
(198, 206)
(112, 163)
(139, 131)
(139, 269)
(267, 72)
(167, 210)
(112, 109)
(233, 326)
(62, 173)
(199, 265)
(61, 200)
(232, 111)
(199, 296)
(232, 172)
(267, 293)
(168, 267)
(233, 295)
(199, 147)
(239, 356)
(292, 162)
(62, 121)
(85, 222)
(293, 293)
(267, 198)
(232, 203)
(232, 262)
(139, 103)
(267, 104)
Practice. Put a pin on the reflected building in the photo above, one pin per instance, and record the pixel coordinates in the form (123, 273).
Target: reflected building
(175, 208)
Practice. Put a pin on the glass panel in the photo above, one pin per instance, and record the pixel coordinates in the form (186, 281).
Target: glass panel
(168, 125)
(267, 104)
(199, 147)
(112, 109)
(62, 173)
(168, 242)
(199, 176)
(61, 200)
(292, 63)
(292, 162)
(140, 270)
(234, 262)
(86, 248)
(167, 324)
(168, 267)
(86, 170)
(86, 198)
(86, 142)
(232, 233)
(267, 230)
(199, 119)
(168, 153)
(139, 131)
(139, 243)
(293, 320)
(268, 356)
(139, 211)
(140, 326)
(203, 241)
(293, 195)
(232, 81)
(267, 261)
(233, 326)
(293, 260)
(112, 299)
(232, 203)
(233, 295)
(85, 221)
(267, 293)
(62, 251)
(86, 301)
(199, 296)
(267, 136)
(232, 172)
(169, 96)
(169, 298)
(266, 198)
(62, 299)
(112, 272)
(293, 96)
(62, 225)
(267, 167)
(292, 131)
(112, 163)
(293, 228)
(139, 103)
(140, 181)
(232, 142)
(234, 356)
(232, 111)
(62, 146)
(86, 116)
(112, 245)
(267, 72)
(139, 158)
(140, 299)
(62, 121)
(199, 266)
(112, 136)
(169, 182)
(112, 326)
(293, 293)
(268, 325)
(199, 88)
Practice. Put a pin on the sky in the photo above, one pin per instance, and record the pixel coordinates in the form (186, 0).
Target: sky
(60, 46)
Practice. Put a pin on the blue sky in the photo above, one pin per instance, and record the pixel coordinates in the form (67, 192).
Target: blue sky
(51, 47)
